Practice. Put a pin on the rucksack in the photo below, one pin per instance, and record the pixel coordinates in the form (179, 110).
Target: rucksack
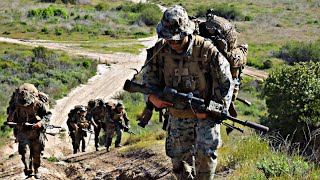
(32, 93)
(224, 36)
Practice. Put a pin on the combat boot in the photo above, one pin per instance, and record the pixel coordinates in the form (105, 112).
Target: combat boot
(27, 172)
(118, 145)
(37, 174)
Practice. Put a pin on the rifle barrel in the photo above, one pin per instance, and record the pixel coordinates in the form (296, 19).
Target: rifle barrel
(249, 124)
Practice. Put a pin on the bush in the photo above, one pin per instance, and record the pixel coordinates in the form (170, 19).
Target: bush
(267, 64)
(88, 17)
(48, 12)
(293, 100)
(278, 165)
(58, 31)
(86, 63)
(223, 10)
(151, 15)
(101, 7)
(45, 30)
(248, 18)
(300, 52)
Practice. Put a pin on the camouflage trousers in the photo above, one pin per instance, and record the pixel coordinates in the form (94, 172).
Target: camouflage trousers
(191, 144)
(97, 130)
(79, 138)
(111, 128)
(34, 141)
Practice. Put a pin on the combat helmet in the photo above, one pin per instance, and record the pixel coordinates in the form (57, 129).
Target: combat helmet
(92, 103)
(120, 105)
(82, 109)
(100, 102)
(26, 94)
(175, 24)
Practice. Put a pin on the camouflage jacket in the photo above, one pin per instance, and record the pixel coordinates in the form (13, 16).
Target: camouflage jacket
(201, 69)
(117, 117)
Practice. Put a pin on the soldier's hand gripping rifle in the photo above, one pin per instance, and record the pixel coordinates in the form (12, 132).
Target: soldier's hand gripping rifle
(126, 129)
(184, 101)
(50, 126)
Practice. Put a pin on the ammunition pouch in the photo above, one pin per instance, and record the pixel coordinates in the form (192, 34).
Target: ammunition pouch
(83, 125)
(182, 113)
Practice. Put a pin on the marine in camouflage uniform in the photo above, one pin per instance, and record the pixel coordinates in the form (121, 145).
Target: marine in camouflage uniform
(79, 124)
(115, 124)
(189, 63)
(98, 119)
(26, 107)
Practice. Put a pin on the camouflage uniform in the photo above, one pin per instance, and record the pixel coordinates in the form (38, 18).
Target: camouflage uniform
(79, 120)
(99, 114)
(202, 70)
(27, 108)
(114, 123)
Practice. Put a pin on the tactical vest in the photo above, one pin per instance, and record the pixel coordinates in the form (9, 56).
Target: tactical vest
(82, 122)
(116, 116)
(186, 74)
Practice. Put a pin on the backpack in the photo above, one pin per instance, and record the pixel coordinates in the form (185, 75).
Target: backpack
(32, 93)
(224, 36)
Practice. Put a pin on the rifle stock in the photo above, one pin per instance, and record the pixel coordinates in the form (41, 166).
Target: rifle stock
(183, 101)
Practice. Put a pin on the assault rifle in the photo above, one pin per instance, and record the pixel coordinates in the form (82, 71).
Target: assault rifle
(50, 126)
(88, 130)
(188, 101)
(126, 129)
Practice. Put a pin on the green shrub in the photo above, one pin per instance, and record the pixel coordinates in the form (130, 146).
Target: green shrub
(223, 10)
(48, 12)
(110, 32)
(101, 6)
(52, 159)
(248, 18)
(58, 31)
(140, 34)
(77, 18)
(61, 13)
(45, 30)
(300, 52)
(88, 17)
(148, 13)
(267, 64)
(279, 164)
(86, 63)
(79, 28)
(151, 15)
(292, 97)
(37, 67)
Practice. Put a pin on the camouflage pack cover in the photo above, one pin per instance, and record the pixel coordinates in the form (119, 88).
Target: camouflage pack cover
(26, 94)
(216, 24)
(175, 24)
